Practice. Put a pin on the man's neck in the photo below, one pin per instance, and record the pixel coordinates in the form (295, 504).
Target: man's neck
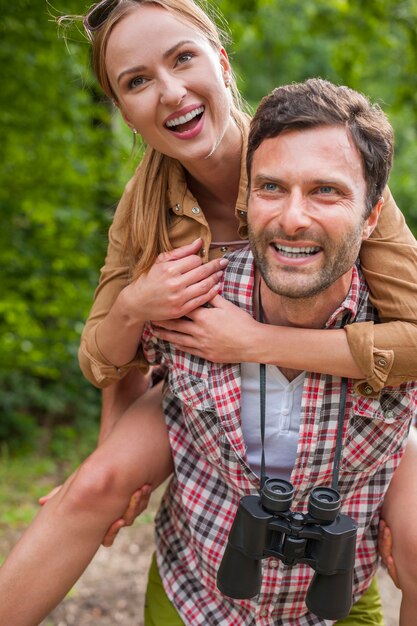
(311, 312)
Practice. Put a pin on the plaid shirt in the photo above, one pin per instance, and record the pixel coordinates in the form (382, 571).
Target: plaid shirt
(202, 405)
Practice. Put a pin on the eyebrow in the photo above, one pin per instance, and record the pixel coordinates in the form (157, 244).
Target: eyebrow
(331, 182)
(166, 55)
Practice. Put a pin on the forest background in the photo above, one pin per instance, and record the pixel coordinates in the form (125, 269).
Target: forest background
(66, 157)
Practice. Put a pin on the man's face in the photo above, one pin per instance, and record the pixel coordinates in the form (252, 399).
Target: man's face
(306, 209)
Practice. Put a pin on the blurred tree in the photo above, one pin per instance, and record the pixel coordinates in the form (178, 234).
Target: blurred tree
(66, 157)
(370, 46)
(61, 174)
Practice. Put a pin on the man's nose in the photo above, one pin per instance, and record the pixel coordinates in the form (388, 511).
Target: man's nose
(172, 91)
(294, 215)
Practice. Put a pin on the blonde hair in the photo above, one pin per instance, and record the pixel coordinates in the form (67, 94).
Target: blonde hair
(147, 234)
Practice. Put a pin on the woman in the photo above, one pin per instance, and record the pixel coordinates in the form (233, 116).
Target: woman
(175, 89)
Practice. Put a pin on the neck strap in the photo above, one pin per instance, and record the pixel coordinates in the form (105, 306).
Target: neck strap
(340, 417)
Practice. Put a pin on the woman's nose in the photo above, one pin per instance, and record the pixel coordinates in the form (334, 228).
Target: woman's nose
(172, 93)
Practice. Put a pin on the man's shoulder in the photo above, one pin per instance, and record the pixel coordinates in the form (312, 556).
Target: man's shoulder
(240, 266)
(360, 303)
(238, 277)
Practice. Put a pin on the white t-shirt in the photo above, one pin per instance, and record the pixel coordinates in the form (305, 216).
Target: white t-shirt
(282, 419)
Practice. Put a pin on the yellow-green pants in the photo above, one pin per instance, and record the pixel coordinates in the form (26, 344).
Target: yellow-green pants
(159, 611)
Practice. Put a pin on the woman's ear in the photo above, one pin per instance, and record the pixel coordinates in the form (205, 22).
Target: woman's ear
(126, 119)
(224, 62)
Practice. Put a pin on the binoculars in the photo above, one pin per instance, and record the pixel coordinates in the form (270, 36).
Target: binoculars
(323, 538)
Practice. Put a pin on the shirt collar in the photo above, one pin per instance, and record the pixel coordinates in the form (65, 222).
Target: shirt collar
(348, 310)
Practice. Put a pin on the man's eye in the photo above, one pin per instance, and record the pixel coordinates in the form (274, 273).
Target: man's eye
(270, 186)
(326, 189)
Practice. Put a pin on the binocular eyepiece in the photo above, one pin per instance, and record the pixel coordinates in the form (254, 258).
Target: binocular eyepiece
(323, 538)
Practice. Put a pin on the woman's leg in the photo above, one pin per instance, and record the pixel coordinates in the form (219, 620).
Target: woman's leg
(398, 513)
(65, 535)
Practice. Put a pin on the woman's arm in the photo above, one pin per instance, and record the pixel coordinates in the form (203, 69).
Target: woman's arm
(224, 333)
(387, 352)
(380, 354)
(177, 283)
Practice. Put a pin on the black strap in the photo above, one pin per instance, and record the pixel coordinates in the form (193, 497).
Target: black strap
(340, 417)
(262, 385)
(339, 438)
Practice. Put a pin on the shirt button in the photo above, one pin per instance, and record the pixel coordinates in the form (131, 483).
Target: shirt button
(285, 411)
(368, 390)
(273, 563)
(242, 213)
(382, 362)
(203, 252)
(195, 210)
(389, 414)
(177, 208)
(224, 249)
(263, 613)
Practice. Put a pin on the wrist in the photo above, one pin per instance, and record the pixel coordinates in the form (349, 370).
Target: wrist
(128, 308)
(252, 342)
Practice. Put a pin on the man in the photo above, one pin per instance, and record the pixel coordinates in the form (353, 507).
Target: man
(318, 159)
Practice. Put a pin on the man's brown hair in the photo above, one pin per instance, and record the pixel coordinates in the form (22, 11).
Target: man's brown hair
(318, 102)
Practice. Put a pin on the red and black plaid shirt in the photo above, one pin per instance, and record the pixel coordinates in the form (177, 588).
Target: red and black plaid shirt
(202, 407)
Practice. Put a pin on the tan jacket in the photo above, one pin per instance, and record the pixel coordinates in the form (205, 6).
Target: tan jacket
(386, 352)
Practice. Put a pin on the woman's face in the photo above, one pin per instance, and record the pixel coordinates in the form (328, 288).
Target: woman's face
(170, 83)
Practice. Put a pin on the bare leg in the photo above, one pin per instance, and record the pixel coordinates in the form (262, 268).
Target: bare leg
(398, 513)
(65, 535)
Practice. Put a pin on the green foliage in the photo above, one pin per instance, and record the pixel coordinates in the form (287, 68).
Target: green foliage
(65, 159)
(61, 178)
(370, 46)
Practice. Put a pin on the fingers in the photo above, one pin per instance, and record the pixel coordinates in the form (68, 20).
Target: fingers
(190, 268)
(181, 252)
(204, 272)
(111, 534)
(384, 541)
(385, 545)
(137, 504)
(175, 329)
(44, 499)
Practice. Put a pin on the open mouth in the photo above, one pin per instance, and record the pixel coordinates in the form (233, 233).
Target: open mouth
(295, 252)
(185, 122)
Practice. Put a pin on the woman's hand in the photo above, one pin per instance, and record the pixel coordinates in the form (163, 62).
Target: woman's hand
(221, 333)
(176, 284)
(385, 550)
(137, 504)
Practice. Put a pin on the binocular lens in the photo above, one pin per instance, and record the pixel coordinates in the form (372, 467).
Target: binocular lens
(324, 503)
(277, 495)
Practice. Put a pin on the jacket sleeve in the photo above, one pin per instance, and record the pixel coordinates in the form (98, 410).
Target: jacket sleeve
(113, 278)
(387, 352)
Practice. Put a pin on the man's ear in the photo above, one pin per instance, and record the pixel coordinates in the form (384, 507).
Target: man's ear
(372, 220)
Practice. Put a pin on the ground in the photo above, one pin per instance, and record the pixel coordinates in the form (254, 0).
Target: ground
(111, 592)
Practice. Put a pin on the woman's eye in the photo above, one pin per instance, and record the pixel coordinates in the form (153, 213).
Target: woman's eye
(184, 57)
(137, 81)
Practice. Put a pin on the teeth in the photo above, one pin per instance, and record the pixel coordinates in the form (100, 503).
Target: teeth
(295, 252)
(185, 118)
